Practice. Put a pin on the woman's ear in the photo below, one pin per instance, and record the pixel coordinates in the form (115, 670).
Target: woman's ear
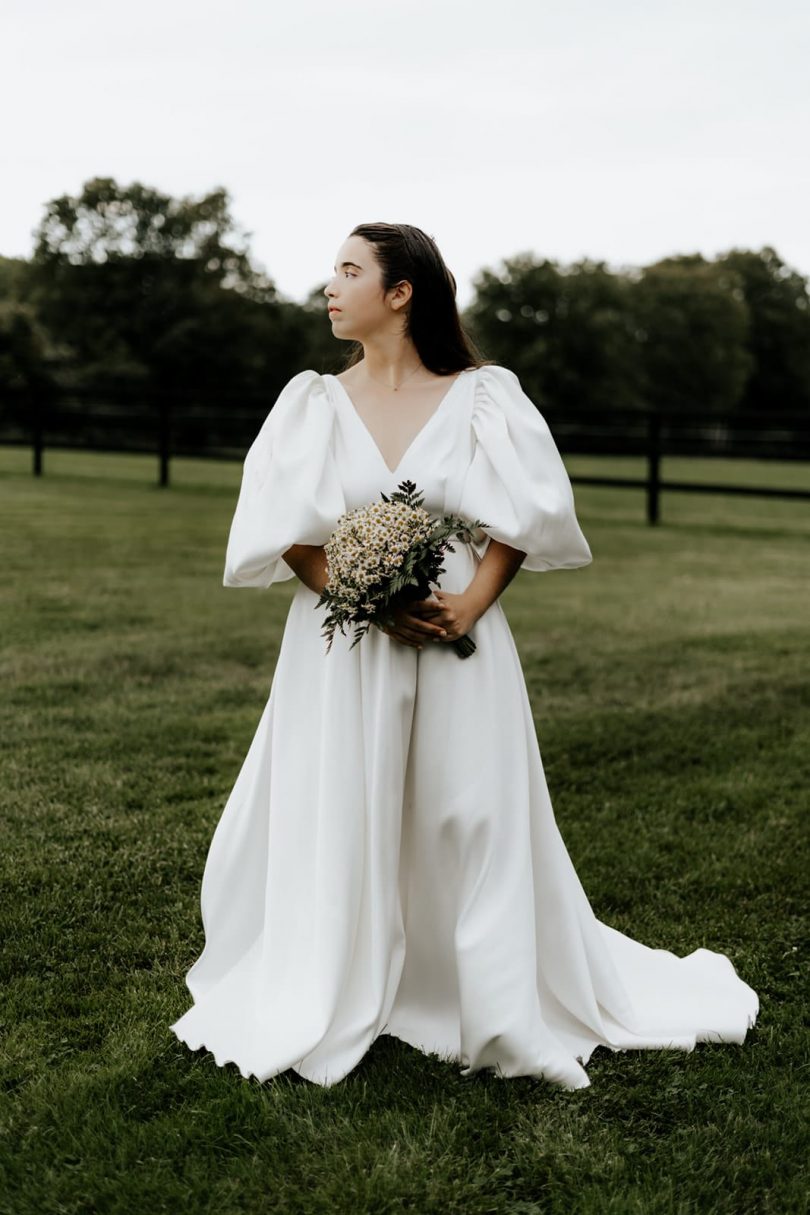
(400, 294)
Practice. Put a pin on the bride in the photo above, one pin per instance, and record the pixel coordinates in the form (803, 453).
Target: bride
(388, 860)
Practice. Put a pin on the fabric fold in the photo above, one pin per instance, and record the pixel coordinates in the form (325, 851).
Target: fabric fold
(290, 491)
(516, 482)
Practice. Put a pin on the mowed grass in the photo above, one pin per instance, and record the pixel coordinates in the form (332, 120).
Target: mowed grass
(669, 683)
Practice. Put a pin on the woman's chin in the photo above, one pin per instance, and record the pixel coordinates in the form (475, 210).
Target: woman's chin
(341, 331)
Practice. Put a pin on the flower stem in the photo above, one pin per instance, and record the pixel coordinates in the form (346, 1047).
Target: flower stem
(464, 646)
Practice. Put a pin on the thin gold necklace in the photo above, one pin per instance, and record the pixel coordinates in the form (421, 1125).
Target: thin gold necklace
(399, 385)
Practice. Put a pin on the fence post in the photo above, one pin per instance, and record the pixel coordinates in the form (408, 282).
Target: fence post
(653, 465)
(163, 439)
(37, 433)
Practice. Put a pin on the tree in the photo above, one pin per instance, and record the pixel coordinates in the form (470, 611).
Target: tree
(598, 358)
(26, 351)
(14, 273)
(142, 284)
(692, 323)
(568, 332)
(110, 223)
(779, 331)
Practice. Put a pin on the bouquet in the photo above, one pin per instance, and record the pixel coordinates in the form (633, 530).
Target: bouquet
(384, 555)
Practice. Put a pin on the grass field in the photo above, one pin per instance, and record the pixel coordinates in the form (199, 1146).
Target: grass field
(669, 683)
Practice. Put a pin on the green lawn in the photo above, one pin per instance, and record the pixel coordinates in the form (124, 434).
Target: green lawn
(669, 683)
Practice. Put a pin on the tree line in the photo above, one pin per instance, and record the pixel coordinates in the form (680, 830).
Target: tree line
(130, 288)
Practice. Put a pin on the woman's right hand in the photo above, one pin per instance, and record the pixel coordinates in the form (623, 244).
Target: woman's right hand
(410, 624)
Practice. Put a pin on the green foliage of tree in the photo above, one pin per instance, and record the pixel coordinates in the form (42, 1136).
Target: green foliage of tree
(693, 329)
(110, 223)
(146, 286)
(778, 339)
(130, 285)
(14, 274)
(30, 356)
(30, 361)
(567, 332)
(598, 363)
(684, 333)
(510, 317)
(25, 348)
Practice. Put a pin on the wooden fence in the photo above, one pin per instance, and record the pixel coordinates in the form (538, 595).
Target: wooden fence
(170, 424)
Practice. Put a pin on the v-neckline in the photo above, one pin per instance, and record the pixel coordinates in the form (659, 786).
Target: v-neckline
(393, 471)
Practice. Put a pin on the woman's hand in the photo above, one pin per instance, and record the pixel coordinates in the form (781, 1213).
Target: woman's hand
(456, 614)
(443, 617)
(411, 627)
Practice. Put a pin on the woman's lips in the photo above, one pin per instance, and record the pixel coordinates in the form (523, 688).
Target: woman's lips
(332, 311)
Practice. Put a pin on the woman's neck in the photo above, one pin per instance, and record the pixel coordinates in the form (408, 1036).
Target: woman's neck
(391, 362)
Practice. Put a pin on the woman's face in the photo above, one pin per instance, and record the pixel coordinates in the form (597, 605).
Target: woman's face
(356, 291)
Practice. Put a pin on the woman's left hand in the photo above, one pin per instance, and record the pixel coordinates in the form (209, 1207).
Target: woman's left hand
(455, 613)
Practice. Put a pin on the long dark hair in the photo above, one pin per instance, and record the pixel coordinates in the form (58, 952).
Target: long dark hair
(432, 321)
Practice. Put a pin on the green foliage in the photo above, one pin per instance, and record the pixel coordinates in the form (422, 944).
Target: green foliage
(109, 223)
(30, 356)
(26, 350)
(568, 333)
(683, 334)
(778, 339)
(693, 329)
(147, 286)
(132, 286)
(14, 273)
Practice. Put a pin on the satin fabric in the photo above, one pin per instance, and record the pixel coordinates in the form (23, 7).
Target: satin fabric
(388, 859)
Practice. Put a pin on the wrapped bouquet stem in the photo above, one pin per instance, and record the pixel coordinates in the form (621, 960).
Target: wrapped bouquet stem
(385, 555)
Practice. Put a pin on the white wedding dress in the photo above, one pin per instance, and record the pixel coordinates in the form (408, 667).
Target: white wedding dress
(388, 860)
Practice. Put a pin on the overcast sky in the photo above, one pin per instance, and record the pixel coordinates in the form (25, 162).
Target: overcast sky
(614, 129)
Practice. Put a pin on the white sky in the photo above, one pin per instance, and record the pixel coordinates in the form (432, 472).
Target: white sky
(621, 130)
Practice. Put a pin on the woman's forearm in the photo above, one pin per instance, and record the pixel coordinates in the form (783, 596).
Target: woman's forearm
(498, 567)
(308, 561)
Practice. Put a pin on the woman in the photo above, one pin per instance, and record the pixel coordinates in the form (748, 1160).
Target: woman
(388, 859)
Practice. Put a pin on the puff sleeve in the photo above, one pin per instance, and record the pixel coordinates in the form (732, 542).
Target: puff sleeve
(516, 481)
(290, 491)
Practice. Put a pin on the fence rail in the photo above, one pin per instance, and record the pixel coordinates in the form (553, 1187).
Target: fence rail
(169, 424)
